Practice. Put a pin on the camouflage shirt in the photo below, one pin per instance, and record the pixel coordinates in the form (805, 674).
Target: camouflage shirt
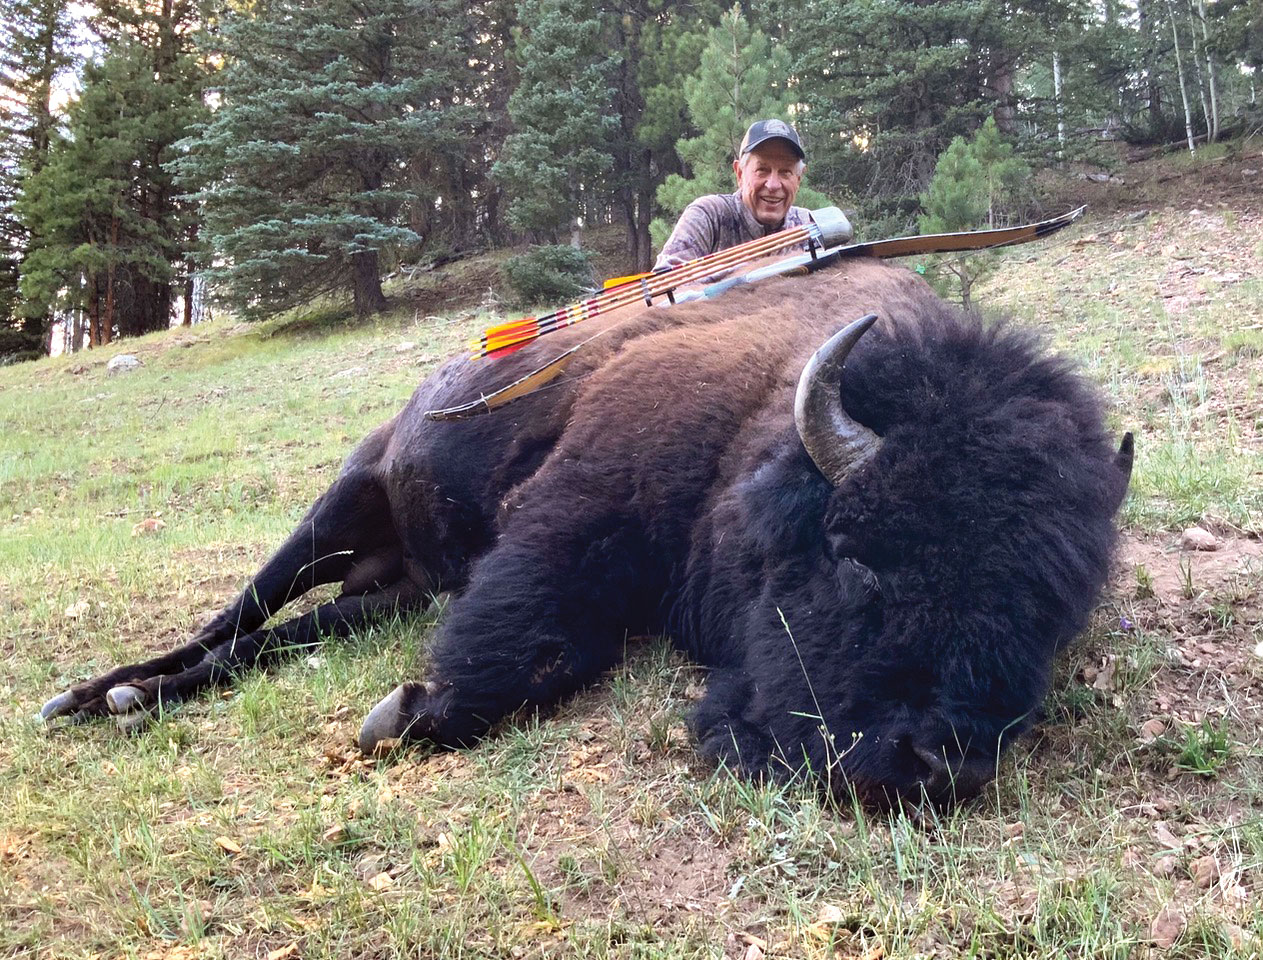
(716, 222)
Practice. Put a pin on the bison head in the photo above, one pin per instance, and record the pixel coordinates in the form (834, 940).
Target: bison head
(941, 528)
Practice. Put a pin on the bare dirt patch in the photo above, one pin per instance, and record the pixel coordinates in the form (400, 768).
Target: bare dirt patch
(1174, 571)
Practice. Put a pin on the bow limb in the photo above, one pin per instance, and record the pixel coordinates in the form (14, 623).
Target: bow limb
(965, 240)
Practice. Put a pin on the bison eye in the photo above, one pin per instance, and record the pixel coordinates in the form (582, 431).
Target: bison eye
(857, 579)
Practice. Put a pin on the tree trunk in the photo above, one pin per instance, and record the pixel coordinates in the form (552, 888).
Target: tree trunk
(1210, 71)
(94, 312)
(627, 204)
(644, 213)
(1061, 120)
(368, 283)
(1003, 81)
(1149, 29)
(1179, 69)
(107, 319)
(1196, 57)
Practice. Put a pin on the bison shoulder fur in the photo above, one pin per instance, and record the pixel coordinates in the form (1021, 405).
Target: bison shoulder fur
(876, 547)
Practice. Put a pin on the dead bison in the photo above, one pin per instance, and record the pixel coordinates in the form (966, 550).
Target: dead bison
(877, 565)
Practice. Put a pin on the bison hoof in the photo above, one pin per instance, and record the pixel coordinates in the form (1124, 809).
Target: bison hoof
(123, 699)
(414, 712)
(127, 704)
(386, 721)
(58, 706)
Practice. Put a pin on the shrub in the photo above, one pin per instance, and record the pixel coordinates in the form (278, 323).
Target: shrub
(548, 275)
(975, 183)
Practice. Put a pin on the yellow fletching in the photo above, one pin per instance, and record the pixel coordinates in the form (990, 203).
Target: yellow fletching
(619, 281)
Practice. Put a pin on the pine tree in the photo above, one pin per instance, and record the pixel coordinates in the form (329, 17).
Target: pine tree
(974, 183)
(742, 77)
(325, 106)
(34, 49)
(110, 238)
(885, 87)
(563, 125)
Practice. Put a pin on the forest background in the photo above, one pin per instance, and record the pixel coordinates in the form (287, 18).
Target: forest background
(160, 155)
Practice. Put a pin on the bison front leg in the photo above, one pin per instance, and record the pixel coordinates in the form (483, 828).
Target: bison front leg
(546, 612)
(347, 535)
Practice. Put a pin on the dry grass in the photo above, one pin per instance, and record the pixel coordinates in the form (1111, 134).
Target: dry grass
(247, 825)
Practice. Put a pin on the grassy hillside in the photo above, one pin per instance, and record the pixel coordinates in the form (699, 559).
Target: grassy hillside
(246, 824)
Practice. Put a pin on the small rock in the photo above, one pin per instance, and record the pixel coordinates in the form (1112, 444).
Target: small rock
(405, 346)
(347, 373)
(123, 363)
(1204, 871)
(1151, 729)
(1104, 678)
(1162, 833)
(1167, 927)
(830, 913)
(1239, 937)
(1165, 866)
(1249, 171)
(1195, 538)
(371, 865)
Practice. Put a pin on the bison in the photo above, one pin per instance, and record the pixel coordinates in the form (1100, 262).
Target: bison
(876, 547)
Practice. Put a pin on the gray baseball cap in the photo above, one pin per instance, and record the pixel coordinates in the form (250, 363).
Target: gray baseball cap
(762, 131)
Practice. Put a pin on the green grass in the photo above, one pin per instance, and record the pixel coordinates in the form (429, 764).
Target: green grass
(245, 821)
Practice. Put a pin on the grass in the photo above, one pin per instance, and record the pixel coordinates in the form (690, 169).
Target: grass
(244, 822)
(1205, 748)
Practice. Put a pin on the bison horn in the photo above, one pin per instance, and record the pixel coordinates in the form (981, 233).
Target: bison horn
(835, 442)
(1122, 463)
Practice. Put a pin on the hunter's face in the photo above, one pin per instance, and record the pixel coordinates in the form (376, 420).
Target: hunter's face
(768, 178)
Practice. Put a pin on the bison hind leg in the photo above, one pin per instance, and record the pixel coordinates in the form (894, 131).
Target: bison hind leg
(134, 698)
(347, 535)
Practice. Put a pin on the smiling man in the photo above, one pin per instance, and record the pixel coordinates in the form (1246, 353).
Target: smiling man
(769, 168)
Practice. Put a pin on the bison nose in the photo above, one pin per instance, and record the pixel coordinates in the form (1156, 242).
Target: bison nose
(951, 776)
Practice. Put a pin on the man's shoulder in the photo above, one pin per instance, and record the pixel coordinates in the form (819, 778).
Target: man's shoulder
(718, 204)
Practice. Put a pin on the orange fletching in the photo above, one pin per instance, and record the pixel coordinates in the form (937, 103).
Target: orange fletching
(511, 329)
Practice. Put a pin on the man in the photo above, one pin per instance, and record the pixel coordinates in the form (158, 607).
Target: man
(769, 169)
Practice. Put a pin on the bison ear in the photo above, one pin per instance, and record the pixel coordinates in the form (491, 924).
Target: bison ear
(836, 443)
(1122, 465)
